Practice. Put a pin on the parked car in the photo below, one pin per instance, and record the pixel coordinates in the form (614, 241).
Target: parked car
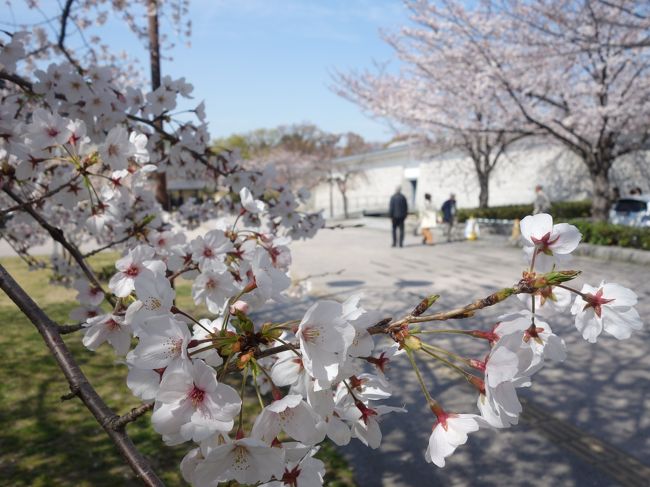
(5, 218)
(633, 211)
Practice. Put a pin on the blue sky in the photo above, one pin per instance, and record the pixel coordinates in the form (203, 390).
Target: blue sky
(262, 63)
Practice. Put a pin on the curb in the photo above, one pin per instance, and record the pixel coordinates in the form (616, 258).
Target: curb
(621, 254)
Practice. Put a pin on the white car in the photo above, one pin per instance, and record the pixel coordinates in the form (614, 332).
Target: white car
(633, 211)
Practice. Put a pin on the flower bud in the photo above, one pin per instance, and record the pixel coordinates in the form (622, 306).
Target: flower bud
(412, 342)
(558, 277)
(241, 306)
(425, 304)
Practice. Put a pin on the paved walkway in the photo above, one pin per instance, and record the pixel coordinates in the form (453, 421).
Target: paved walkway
(586, 421)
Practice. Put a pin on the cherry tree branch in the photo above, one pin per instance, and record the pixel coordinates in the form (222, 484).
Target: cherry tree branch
(57, 234)
(65, 17)
(387, 325)
(38, 199)
(79, 385)
(17, 80)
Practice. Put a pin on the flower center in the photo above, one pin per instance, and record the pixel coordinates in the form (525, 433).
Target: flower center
(196, 395)
(533, 332)
(290, 477)
(112, 325)
(596, 301)
(379, 362)
(311, 334)
(132, 271)
(543, 244)
(113, 150)
(356, 383)
(241, 458)
(366, 412)
(207, 252)
(152, 303)
(174, 346)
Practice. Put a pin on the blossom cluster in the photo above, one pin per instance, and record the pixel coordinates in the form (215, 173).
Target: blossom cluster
(84, 148)
(176, 358)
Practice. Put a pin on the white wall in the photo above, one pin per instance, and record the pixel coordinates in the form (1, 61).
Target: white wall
(513, 181)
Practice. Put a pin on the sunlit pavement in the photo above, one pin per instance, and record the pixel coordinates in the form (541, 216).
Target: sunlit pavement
(586, 421)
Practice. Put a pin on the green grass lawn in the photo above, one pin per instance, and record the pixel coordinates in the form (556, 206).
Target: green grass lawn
(48, 442)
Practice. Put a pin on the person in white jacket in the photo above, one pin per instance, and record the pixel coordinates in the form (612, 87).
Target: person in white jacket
(428, 220)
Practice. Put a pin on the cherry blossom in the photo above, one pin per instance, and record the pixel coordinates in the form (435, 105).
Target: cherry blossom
(200, 332)
(162, 341)
(247, 461)
(192, 405)
(324, 340)
(249, 203)
(306, 472)
(449, 432)
(608, 307)
(365, 421)
(269, 280)
(549, 301)
(117, 149)
(291, 415)
(88, 294)
(155, 297)
(214, 285)
(47, 129)
(137, 263)
(107, 328)
(210, 248)
(546, 244)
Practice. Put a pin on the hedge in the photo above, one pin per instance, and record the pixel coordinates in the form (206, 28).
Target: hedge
(603, 233)
(563, 210)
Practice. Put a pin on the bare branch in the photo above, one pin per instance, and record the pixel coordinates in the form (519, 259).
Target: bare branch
(65, 16)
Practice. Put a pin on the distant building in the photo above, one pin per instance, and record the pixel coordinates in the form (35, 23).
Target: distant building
(180, 190)
(419, 171)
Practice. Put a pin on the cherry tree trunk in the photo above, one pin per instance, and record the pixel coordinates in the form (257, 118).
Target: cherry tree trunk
(600, 200)
(484, 190)
(162, 196)
(345, 205)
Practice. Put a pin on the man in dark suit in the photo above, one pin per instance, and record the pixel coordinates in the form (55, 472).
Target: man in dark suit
(397, 210)
(449, 215)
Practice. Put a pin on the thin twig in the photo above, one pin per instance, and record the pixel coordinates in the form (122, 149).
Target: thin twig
(121, 421)
(66, 329)
(106, 247)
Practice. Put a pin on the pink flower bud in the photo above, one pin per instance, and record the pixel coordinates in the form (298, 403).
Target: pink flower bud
(241, 306)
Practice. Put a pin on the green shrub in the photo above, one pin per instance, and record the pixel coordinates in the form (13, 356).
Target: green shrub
(561, 210)
(603, 233)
